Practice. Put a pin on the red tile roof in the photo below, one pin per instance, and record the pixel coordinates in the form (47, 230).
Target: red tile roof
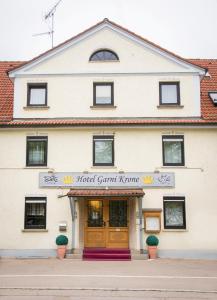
(208, 110)
(6, 91)
(105, 192)
(107, 122)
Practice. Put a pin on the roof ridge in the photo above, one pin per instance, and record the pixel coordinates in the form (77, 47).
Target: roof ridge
(12, 61)
(208, 59)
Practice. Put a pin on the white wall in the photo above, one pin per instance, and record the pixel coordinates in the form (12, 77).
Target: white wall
(133, 57)
(134, 96)
(135, 150)
(136, 77)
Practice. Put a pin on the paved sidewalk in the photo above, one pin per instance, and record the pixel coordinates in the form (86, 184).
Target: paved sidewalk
(75, 279)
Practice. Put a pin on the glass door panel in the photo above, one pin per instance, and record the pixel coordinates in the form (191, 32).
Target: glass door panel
(118, 213)
(95, 213)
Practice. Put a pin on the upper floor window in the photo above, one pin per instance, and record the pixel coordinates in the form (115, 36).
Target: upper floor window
(104, 55)
(103, 150)
(37, 94)
(103, 93)
(169, 93)
(36, 151)
(173, 150)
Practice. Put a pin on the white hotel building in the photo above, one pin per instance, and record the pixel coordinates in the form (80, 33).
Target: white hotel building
(108, 138)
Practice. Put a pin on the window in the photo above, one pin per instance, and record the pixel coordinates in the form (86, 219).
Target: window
(103, 150)
(174, 213)
(36, 151)
(173, 150)
(103, 93)
(35, 213)
(37, 94)
(213, 97)
(169, 93)
(104, 55)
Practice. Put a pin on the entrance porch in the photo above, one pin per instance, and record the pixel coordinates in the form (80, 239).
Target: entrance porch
(106, 219)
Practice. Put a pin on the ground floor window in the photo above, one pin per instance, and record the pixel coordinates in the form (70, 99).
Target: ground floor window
(35, 213)
(174, 212)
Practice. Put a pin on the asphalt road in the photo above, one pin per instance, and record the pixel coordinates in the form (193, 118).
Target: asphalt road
(74, 279)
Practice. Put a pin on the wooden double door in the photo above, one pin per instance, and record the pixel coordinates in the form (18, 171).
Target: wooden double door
(106, 223)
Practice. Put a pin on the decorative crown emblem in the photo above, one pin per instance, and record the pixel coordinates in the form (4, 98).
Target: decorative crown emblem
(68, 179)
(148, 179)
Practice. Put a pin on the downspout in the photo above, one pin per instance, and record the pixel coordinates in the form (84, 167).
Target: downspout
(73, 215)
(141, 226)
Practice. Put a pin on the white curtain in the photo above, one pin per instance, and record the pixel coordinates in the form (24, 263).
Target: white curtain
(169, 93)
(173, 152)
(103, 94)
(36, 152)
(103, 151)
(37, 96)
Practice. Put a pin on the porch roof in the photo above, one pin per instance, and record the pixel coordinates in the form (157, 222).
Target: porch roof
(105, 192)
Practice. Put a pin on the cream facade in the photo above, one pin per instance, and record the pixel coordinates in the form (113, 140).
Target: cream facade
(77, 101)
(135, 76)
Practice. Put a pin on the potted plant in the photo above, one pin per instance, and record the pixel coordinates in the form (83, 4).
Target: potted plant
(61, 242)
(152, 241)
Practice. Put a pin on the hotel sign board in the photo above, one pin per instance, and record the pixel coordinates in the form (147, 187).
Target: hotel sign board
(97, 180)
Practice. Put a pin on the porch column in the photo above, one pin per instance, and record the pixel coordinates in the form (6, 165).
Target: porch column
(141, 225)
(74, 215)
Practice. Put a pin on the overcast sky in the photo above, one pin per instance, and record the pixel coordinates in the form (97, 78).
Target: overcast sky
(186, 27)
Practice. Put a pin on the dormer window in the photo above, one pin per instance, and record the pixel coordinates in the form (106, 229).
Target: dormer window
(104, 55)
(213, 97)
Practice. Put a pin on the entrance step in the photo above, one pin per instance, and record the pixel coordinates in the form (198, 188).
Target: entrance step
(74, 256)
(106, 250)
(106, 254)
(139, 255)
(143, 256)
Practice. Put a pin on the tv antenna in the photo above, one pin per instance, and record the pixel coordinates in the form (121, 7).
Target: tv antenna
(47, 17)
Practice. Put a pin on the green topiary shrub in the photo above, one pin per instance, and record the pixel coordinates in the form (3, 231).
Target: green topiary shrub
(152, 240)
(61, 240)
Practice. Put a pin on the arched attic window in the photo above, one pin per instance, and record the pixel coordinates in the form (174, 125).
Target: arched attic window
(104, 55)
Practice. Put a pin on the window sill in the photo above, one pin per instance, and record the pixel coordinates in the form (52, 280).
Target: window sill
(103, 167)
(175, 230)
(43, 107)
(103, 107)
(36, 167)
(173, 167)
(170, 106)
(103, 61)
(34, 230)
